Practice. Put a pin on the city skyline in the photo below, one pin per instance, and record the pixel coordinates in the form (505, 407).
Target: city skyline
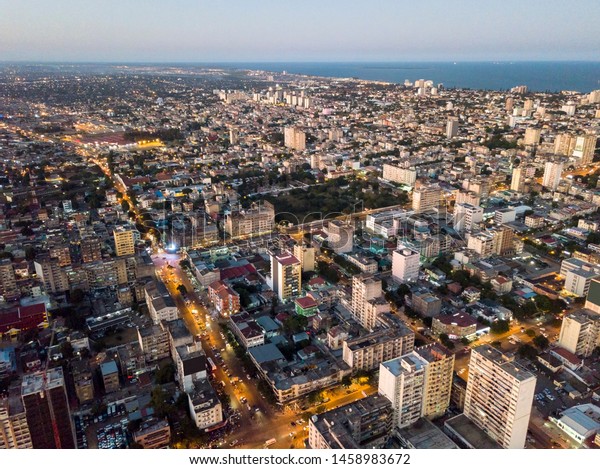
(336, 31)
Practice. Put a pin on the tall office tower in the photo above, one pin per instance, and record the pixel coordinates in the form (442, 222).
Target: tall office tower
(365, 287)
(552, 173)
(47, 410)
(467, 217)
(532, 136)
(426, 198)
(91, 249)
(517, 182)
(340, 236)
(452, 127)
(580, 332)
(406, 176)
(124, 241)
(294, 138)
(405, 265)
(14, 431)
(585, 145)
(8, 281)
(306, 256)
(286, 275)
(52, 276)
(499, 396)
(564, 144)
(418, 384)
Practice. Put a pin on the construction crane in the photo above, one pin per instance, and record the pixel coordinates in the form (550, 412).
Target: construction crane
(45, 386)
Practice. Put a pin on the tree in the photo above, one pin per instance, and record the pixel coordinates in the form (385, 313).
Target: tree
(125, 206)
(530, 333)
(182, 289)
(541, 342)
(165, 374)
(500, 327)
(184, 264)
(527, 351)
(77, 296)
(160, 402)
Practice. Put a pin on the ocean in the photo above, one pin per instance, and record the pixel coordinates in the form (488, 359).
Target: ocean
(538, 76)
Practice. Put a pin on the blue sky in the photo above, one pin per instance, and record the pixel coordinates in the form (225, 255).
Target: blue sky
(301, 30)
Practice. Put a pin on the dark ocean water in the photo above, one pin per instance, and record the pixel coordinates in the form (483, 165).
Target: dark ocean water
(538, 76)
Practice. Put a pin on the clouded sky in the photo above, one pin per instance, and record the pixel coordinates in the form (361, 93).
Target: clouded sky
(300, 30)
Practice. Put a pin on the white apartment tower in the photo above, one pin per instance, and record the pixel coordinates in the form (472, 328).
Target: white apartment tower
(499, 396)
(405, 265)
(552, 173)
(467, 217)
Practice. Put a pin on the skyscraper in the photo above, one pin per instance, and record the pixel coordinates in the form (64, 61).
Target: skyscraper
(499, 396)
(47, 410)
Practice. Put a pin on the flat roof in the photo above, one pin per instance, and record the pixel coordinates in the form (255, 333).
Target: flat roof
(425, 435)
(469, 433)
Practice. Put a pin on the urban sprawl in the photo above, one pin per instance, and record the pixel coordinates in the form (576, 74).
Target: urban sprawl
(216, 258)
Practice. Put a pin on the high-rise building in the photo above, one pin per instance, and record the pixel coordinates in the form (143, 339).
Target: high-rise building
(426, 198)
(407, 176)
(418, 384)
(286, 275)
(552, 173)
(47, 410)
(365, 287)
(467, 217)
(294, 138)
(592, 301)
(499, 396)
(91, 248)
(405, 265)
(467, 197)
(532, 136)
(452, 127)
(564, 144)
(584, 148)
(124, 241)
(257, 220)
(8, 281)
(14, 431)
(518, 179)
(306, 256)
(51, 274)
(580, 332)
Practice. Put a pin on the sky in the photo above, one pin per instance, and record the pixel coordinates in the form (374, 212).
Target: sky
(301, 30)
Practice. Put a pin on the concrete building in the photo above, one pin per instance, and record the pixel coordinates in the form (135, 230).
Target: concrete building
(455, 326)
(258, 219)
(154, 342)
(306, 256)
(294, 138)
(552, 173)
(8, 281)
(363, 424)
(405, 265)
(124, 241)
(205, 408)
(426, 303)
(369, 351)
(532, 136)
(584, 148)
(110, 376)
(47, 410)
(580, 332)
(161, 306)
(153, 433)
(190, 366)
(224, 298)
(53, 277)
(452, 128)
(405, 176)
(340, 236)
(83, 380)
(365, 287)
(517, 182)
(286, 275)
(467, 217)
(426, 198)
(505, 215)
(14, 430)
(499, 396)
(578, 281)
(592, 301)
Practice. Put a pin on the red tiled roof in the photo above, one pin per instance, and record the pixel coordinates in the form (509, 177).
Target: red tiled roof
(22, 317)
(235, 272)
(306, 302)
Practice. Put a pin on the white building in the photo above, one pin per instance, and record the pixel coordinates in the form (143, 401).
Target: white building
(467, 217)
(407, 176)
(552, 173)
(405, 265)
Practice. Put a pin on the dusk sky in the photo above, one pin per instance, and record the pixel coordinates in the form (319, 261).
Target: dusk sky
(307, 30)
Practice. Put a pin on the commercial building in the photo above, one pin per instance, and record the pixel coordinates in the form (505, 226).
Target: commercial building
(505, 215)
(455, 326)
(47, 410)
(405, 265)
(499, 396)
(286, 275)
(580, 332)
(363, 424)
(426, 198)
